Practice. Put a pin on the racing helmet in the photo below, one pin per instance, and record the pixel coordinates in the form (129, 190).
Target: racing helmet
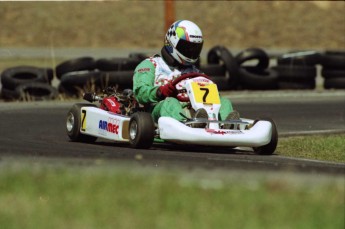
(183, 42)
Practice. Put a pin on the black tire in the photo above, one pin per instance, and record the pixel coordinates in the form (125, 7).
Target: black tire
(333, 60)
(333, 73)
(272, 145)
(15, 76)
(300, 58)
(138, 56)
(36, 92)
(252, 78)
(74, 83)
(9, 95)
(292, 73)
(220, 55)
(117, 64)
(69, 93)
(213, 69)
(49, 74)
(334, 83)
(254, 54)
(231, 67)
(123, 79)
(74, 65)
(73, 124)
(141, 130)
(213, 56)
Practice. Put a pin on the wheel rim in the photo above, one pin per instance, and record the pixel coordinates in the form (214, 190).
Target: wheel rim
(133, 130)
(70, 122)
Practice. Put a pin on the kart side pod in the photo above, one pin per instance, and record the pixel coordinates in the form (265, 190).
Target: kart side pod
(100, 123)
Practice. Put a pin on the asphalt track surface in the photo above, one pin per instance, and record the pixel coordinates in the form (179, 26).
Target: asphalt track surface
(37, 130)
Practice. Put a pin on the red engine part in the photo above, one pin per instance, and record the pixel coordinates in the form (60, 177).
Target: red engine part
(111, 104)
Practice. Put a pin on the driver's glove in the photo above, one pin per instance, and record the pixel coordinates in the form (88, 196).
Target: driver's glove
(167, 90)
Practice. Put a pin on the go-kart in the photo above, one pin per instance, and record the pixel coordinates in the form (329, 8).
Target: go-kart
(120, 118)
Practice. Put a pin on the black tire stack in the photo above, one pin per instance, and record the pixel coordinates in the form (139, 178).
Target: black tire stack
(77, 75)
(250, 69)
(222, 68)
(27, 83)
(333, 69)
(297, 70)
(238, 72)
(254, 72)
(118, 71)
(87, 74)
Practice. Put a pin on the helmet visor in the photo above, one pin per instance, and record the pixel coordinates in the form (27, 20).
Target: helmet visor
(189, 49)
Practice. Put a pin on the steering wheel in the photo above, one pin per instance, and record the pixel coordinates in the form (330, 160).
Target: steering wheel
(187, 76)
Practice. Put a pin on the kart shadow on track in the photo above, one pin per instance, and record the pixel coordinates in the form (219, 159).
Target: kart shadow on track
(183, 148)
(204, 149)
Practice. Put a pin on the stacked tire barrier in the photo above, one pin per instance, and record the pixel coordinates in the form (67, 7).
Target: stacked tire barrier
(27, 83)
(297, 70)
(258, 76)
(221, 67)
(250, 69)
(231, 72)
(87, 74)
(76, 75)
(333, 70)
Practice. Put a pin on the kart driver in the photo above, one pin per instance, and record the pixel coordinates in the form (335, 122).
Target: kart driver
(152, 82)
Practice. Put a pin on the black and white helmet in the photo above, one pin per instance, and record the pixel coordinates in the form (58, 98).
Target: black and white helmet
(184, 42)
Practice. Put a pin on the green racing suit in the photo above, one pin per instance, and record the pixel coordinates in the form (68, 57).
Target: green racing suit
(154, 72)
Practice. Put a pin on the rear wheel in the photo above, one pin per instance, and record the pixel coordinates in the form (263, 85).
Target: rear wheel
(73, 124)
(272, 145)
(141, 130)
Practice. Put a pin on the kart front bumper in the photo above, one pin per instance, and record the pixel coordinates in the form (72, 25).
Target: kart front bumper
(172, 130)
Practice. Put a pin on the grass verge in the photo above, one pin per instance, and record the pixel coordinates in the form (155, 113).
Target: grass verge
(39, 195)
(319, 147)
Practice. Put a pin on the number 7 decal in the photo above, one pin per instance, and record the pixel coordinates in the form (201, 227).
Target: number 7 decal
(206, 93)
(83, 117)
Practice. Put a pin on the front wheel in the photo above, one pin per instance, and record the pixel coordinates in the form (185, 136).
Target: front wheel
(141, 130)
(272, 145)
(73, 124)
